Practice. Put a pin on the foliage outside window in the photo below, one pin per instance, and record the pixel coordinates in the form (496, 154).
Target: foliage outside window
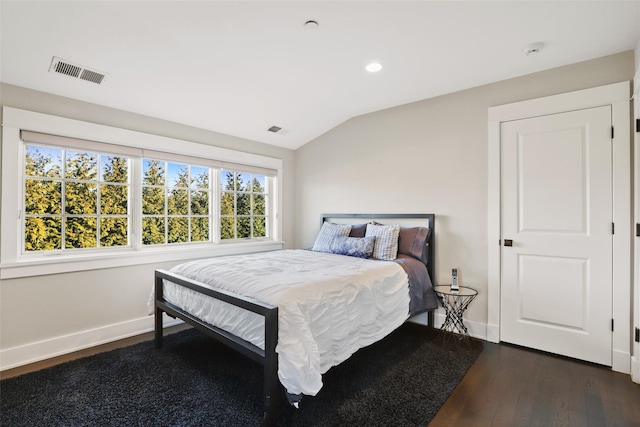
(175, 202)
(74, 199)
(243, 206)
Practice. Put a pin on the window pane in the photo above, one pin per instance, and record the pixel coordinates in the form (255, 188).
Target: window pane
(227, 204)
(113, 231)
(82, 166)
(42, 234)
(199, 177)
(42, 197)
(244, 227)
(152, 172)
(259, 205)
(178, 175)
(178, 230)
(243, 204)
(152, 231)
(80, 198)
(199, 229)
(40, 161)
(199, 203)
(152, 201)
(228, 181)
(259, 226)
(178, 202)
(258, 184)
(227, 228)
(243, 182)
(113, 199)
(115, 169)
(80, 232)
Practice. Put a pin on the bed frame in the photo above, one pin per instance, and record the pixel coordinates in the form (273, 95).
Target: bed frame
(267, 357)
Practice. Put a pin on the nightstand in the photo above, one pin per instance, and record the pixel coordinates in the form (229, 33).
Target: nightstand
(455, 303)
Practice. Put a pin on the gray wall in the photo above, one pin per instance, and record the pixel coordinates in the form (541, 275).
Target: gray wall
(429, 157)
(47, 307)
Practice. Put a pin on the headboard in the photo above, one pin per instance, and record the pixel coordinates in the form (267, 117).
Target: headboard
(404, 220)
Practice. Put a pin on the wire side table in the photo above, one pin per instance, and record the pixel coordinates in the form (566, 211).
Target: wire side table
(455, 303)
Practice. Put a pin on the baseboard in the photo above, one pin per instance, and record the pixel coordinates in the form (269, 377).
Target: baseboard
(46, 349)
(621, 361)
(476, 329)
(635, 369)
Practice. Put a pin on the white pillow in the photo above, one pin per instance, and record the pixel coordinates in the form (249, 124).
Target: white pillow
(386, 247)
(327, 233)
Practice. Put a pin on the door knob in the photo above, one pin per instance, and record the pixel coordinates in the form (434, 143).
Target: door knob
(508, 242)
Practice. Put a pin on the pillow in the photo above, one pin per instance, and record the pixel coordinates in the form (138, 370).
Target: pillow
(412, 241)
(361, 247)
(327, 233)
(358, 230)
(386, 247)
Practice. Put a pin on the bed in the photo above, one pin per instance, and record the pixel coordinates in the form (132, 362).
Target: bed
(300, 312)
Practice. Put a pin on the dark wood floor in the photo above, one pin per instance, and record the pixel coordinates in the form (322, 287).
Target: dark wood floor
(507, 386)
(512, 386)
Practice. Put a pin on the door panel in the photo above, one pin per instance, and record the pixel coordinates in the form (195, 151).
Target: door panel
(557, 208)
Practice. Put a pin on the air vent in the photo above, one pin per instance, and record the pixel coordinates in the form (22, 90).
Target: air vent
(274, 129)
(61, 66)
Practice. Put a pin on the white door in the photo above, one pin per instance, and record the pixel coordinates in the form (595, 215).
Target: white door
(557, 205)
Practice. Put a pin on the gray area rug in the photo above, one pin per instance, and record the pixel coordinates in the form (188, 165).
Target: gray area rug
(194, 381)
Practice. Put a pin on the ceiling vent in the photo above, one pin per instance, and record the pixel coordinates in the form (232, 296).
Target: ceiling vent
(274, 129)
(61, 66)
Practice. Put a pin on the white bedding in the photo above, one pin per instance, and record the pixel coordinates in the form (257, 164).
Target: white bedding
(329, 305)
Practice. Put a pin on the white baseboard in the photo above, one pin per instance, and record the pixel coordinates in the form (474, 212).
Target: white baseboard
(621, 361)
(476, 329)
(46, 349)
(635, 369)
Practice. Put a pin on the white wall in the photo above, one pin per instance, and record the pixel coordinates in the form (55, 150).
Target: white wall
(429, 157)
(45, 315)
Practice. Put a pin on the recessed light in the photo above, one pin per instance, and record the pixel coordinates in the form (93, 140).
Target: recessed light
(374, 67)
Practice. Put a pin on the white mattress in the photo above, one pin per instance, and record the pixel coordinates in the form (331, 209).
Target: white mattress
(329, 305)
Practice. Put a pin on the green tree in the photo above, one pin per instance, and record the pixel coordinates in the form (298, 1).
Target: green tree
(153, 203)
(228, 207)
(43, 200)
(199, 205)
(114, 200)
(178, 208)
(81, 170)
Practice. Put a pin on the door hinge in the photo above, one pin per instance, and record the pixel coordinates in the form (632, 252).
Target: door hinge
(613, 228)
(637, 229)
(612, 133)
(637, 125)
(611, 325)
(637, 337)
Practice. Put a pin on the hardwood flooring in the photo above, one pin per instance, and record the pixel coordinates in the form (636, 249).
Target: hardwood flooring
(507, 386)
(513, 386)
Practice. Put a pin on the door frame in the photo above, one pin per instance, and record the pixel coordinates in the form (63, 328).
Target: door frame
(616, 95)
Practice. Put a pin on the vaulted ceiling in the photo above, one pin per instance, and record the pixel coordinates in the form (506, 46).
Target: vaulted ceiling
(241, 67)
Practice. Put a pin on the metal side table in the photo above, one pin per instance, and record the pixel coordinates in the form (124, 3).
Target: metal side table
(455, 303)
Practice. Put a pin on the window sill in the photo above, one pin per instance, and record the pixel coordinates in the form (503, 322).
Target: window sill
(56, 264)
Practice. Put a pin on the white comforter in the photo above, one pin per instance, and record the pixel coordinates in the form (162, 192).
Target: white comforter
(329, 305)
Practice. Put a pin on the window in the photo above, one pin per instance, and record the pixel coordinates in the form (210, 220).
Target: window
(243, 206)
(74, 199)
(176, 201)
(101, 197)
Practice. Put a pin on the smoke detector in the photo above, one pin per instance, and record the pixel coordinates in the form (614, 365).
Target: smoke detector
(533, 49)
(67, 68)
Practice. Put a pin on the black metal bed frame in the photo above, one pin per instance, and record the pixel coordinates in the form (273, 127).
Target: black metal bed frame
(267, 357)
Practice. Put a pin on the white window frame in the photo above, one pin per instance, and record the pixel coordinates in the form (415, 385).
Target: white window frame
(13, 264)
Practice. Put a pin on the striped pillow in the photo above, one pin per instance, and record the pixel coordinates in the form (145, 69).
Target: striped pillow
(386, 247)
(327, 233)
